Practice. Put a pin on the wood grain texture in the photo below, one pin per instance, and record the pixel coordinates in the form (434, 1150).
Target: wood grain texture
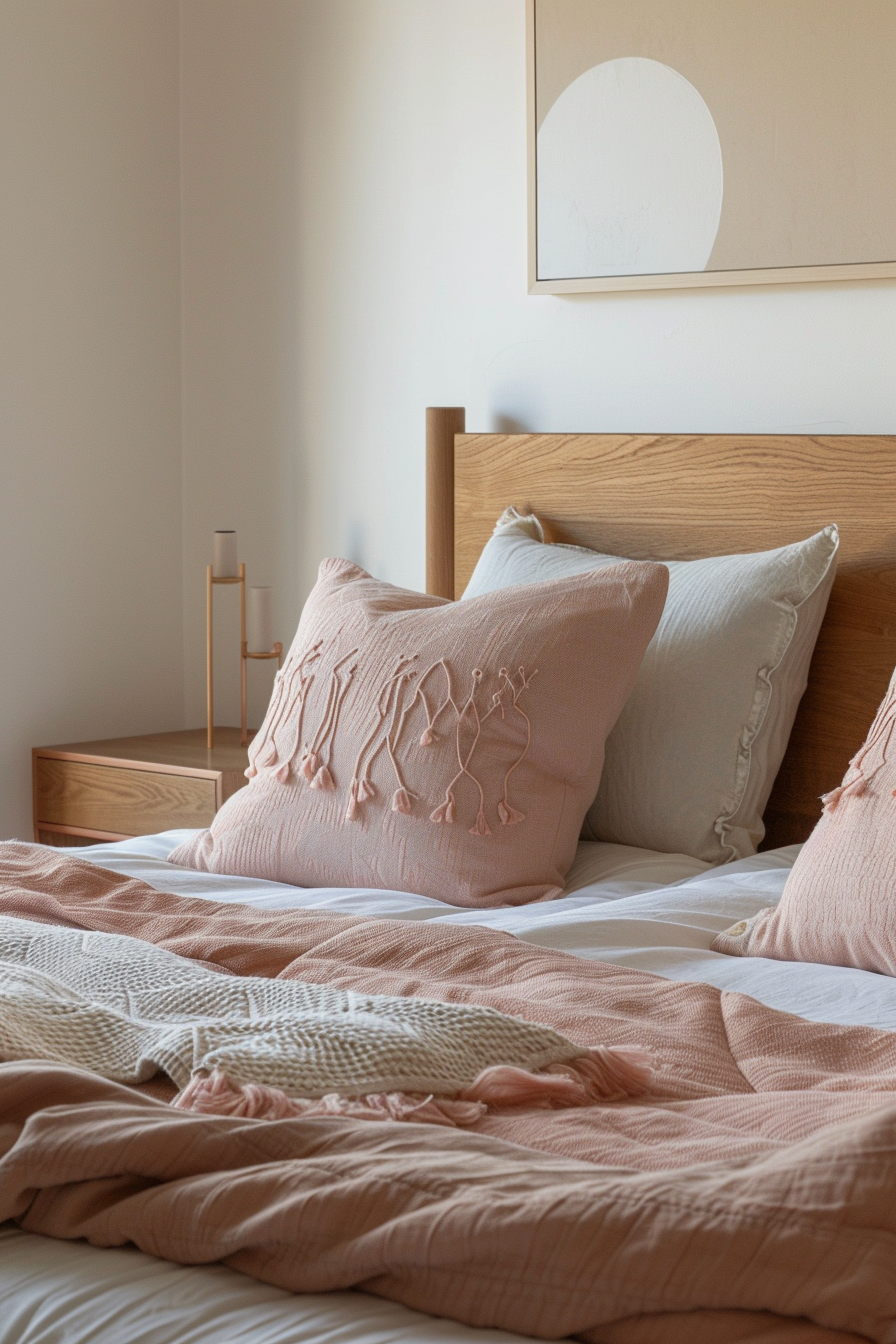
(442, 424)
(183, 750)
(67, 839)
(122, 801)
(688, 496)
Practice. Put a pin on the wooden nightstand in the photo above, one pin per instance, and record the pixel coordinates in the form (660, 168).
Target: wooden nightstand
(90, 791)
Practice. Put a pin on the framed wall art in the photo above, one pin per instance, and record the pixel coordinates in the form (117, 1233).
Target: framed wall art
(698, 142)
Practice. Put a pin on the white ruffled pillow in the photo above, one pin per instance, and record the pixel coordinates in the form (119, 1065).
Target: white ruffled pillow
(692, 760)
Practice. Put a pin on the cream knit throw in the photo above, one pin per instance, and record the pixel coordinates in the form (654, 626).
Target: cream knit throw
(126, 1009)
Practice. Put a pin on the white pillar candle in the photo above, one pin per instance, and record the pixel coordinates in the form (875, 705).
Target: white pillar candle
(224, 564)
(260, 620)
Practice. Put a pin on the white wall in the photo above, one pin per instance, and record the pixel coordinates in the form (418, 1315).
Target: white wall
(90, 596)
(355, 228)
(240, 111)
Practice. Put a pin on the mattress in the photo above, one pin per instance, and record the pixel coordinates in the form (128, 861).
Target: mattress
(654, 912)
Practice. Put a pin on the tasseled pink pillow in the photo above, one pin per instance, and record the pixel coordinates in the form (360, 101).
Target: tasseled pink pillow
(839, 902)
(445, 748)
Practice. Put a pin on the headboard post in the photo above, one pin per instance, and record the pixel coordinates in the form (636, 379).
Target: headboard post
(442, 423)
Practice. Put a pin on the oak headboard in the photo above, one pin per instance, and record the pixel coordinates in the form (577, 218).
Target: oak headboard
(684, 496)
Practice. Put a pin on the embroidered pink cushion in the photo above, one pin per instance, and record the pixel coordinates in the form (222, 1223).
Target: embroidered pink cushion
(445, 748)
(837, 907)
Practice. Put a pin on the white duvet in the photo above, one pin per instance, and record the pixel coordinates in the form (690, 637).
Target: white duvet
(655, 912)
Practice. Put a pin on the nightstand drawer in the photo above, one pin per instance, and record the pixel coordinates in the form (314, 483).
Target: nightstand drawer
(118, 801)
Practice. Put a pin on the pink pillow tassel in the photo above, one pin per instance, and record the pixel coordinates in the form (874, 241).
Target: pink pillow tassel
(443, 815)
(509, 815)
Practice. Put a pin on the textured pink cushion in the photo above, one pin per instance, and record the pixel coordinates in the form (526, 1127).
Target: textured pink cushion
(839, 903)
(445, 748)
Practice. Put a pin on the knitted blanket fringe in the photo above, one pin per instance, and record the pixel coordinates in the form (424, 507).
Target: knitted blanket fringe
(604, 1073)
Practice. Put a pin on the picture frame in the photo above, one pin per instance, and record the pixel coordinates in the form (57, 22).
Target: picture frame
(795, 166)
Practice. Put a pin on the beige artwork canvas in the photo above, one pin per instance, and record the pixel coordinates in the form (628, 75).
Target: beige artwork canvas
(688, 142)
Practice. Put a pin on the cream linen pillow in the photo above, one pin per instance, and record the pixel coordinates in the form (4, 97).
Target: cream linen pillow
(693, 758)
(422, 745)
(838, 903)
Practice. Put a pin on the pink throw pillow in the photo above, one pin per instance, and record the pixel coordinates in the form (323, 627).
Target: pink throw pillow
(837, 907)
(445, 748)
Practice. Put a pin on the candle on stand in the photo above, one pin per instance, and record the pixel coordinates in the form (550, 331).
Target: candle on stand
(260, 620)
(224, 564)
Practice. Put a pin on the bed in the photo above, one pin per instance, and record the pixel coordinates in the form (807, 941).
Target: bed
(664, 497)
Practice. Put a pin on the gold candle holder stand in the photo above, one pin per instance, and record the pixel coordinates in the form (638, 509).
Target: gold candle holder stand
(275, 652)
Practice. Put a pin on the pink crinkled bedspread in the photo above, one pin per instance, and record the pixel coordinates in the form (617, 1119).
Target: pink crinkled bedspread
(749, 1197)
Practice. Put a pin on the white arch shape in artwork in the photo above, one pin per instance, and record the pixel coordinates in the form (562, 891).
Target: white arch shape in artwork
(629, 175)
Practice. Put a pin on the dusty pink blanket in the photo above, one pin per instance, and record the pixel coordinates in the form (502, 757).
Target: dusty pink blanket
(750, 1197)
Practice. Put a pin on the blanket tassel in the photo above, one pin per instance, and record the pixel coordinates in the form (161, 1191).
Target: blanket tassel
(604, 1073)
(215, 1094)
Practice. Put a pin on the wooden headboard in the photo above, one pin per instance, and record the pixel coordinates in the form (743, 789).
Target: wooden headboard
(684, 496)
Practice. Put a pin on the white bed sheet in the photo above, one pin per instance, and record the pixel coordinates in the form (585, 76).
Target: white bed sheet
(62, 1292)
(635, 908)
